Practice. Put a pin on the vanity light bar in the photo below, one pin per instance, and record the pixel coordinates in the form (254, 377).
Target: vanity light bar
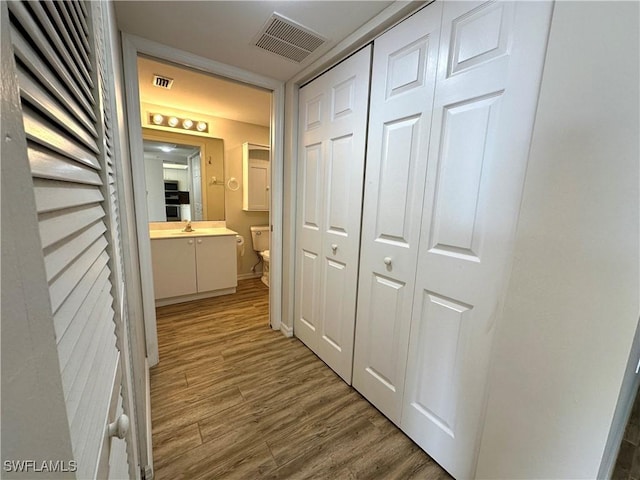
(177, 122)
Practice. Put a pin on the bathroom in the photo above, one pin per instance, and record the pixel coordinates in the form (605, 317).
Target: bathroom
(230, 120)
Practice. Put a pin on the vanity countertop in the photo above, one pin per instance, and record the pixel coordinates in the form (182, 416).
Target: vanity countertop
(197, 232)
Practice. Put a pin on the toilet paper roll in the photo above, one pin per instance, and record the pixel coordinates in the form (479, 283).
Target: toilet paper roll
(240, 242)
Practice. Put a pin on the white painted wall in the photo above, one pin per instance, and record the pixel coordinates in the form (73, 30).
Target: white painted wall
(572, 305)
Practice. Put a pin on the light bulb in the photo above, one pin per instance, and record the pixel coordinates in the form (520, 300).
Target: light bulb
(157, 119)
(173, 121)
(187, 124)
(201, 126)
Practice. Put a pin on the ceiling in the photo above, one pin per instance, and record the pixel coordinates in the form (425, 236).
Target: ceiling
(225, 30)
(203, 93)
(176, 154)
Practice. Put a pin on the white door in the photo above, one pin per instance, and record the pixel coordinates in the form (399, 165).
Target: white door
(404, 71)
(68, 121)
(489, 70)
(332, 128)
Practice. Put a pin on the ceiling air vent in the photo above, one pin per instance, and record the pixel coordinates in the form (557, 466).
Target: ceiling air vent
(288, 39)
(162, 82)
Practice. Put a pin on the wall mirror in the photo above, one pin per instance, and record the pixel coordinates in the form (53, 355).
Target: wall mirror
(184, 177)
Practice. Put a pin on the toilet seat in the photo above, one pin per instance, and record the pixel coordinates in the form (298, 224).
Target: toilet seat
(265, 255)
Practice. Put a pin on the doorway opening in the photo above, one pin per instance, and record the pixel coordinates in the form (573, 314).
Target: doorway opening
(232, 114)
(204, 122)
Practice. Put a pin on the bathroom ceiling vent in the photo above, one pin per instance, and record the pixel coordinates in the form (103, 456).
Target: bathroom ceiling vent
(162, 82)
(287, 38)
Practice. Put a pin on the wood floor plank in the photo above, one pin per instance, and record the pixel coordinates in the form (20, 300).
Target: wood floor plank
(170, 444)
(233, 399)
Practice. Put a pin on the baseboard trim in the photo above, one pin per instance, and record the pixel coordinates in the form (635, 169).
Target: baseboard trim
(246, 276)
(196, 296)
(286, 330)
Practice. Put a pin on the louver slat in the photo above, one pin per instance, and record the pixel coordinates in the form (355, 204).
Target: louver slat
(59, 225)
(39, 98)
(49, 53)
(98, 397)
(56, 259)
(48, 164)
(61, 48)
(97, 360)
(75, 45)
(41, 131)
(74, 305)
(94, 350)
(46, 76)
(76, 373)
(52, 195)
(68, 339)
(61, 286)
(79, 22)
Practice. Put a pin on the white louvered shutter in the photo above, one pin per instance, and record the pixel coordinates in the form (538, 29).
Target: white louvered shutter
(118, 454)
(70, 151)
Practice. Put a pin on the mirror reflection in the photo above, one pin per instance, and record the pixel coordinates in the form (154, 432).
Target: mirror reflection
(184, 177)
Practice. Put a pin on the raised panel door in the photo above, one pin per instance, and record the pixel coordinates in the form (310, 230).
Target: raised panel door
(402, 92)
(489, 69)
(332, 129)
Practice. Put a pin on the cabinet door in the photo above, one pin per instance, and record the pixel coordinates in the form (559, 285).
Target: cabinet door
(333, 115)
(489, 70)
(259, 178)
(402, 89)
(256, 177)
(174, 267)
(216, 263)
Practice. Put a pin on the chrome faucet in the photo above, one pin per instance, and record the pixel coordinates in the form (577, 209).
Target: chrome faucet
(188, 227)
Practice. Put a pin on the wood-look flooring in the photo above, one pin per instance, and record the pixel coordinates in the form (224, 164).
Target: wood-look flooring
(232, 398)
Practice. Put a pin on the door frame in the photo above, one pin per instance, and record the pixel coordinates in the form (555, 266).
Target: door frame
(132, 47)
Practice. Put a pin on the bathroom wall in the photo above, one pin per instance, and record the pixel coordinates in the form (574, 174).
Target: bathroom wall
(234, 134)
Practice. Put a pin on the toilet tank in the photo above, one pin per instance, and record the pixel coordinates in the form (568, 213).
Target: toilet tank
(260, 237)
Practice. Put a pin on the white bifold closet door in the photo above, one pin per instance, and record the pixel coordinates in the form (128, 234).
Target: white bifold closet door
(402, 86)
(428, 302)
(331, 151)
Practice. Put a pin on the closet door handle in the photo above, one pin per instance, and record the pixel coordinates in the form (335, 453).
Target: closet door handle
(334, 247)
(120, 427)
(387, 261)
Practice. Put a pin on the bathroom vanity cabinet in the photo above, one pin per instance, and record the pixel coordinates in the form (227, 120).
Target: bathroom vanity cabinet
(189, 267)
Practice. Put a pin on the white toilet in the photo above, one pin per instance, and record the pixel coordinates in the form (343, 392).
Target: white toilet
(260, 242)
